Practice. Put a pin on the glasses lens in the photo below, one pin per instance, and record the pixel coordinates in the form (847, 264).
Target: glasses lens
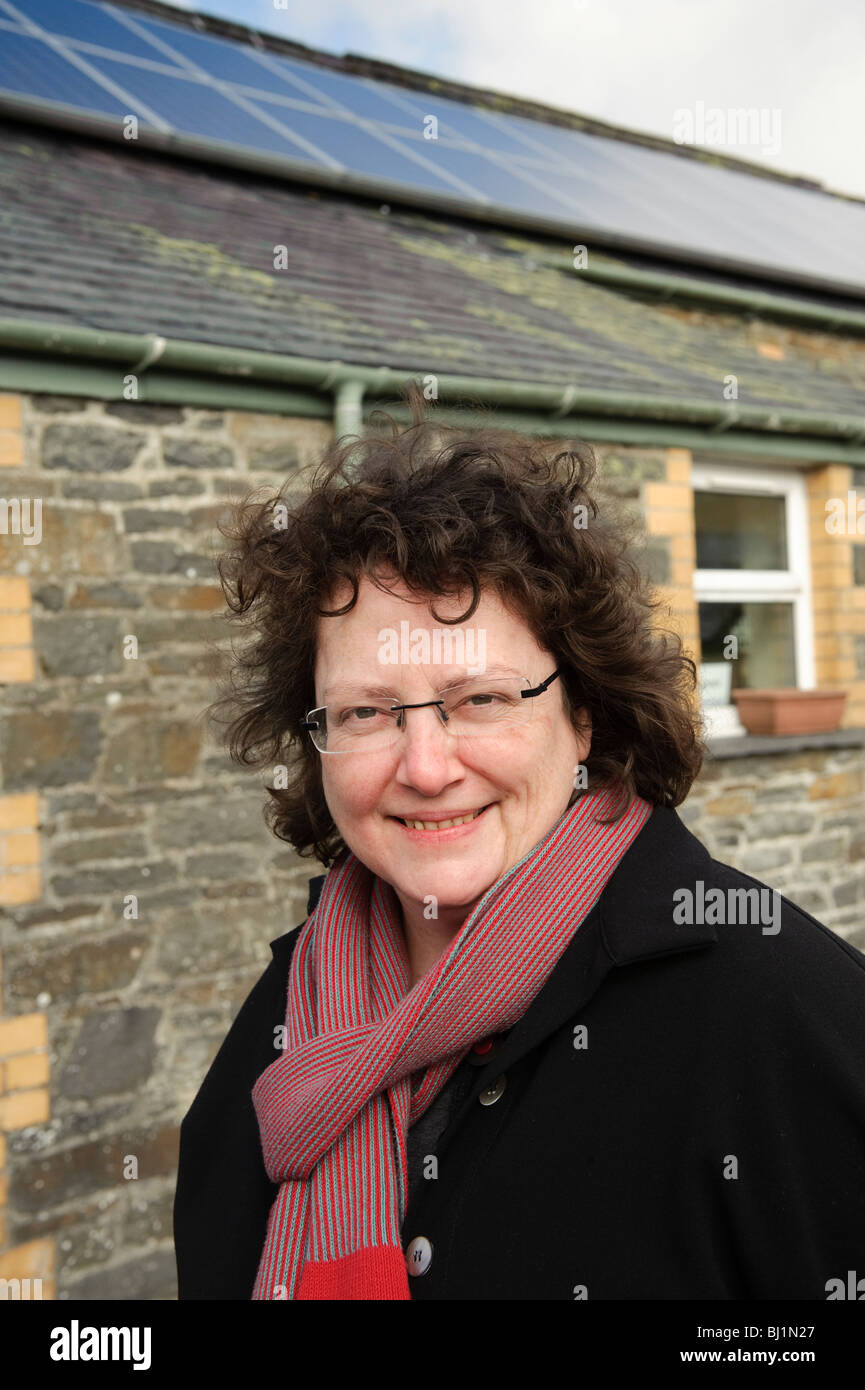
(477, 708)
(354, 728)
(486, 705)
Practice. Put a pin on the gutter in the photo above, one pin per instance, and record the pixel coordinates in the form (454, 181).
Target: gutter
(139, 354)
(757, 303)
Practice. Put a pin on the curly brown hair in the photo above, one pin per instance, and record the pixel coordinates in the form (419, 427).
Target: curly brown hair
(449, 509)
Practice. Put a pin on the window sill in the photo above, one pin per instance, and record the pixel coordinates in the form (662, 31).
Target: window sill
(754, 745)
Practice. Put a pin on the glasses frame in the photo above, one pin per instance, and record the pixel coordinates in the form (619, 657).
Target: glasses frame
(311, 724)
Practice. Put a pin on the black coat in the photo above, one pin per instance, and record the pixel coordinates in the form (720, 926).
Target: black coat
(606, 1170)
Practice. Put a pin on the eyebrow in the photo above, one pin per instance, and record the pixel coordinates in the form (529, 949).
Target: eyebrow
(387, 692)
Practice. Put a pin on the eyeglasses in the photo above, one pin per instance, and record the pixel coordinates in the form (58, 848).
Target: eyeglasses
(478, 708)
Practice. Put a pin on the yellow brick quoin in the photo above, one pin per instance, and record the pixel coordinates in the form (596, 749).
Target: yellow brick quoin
(24, 1108)
(28, 1072)
(10, 412)
(19, 812)
(17, 657)
(11, 441)
(26, 1033)
(20, 879)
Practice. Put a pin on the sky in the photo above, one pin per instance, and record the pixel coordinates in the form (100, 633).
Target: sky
(674, 68)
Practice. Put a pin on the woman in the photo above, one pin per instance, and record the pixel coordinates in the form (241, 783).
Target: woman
(509, 1054)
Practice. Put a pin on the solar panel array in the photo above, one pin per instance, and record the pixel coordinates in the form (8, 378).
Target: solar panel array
(217, 95)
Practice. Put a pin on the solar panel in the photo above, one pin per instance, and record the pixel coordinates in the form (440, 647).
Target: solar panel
(366, 100)
(29, 67)
(87, 23)
(200, 109)
(228, 62)
(226, 97)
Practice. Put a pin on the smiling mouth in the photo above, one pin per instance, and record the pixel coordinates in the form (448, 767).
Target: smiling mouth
(442, 824)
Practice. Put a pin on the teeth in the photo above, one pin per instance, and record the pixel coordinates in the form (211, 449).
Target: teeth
(442, 824)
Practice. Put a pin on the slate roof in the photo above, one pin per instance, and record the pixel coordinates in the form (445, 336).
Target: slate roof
(129, 239)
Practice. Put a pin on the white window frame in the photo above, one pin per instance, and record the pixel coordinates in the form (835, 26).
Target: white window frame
(792, 585)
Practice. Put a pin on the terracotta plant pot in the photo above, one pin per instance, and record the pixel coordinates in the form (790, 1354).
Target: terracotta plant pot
(790, 711)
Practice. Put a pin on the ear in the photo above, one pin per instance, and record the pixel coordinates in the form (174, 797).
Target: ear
(583, 733)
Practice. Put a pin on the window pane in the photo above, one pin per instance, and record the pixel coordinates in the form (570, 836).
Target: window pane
(765, 657)
(740, 531)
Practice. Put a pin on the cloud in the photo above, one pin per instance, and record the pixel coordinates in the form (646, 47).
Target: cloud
(627, 62)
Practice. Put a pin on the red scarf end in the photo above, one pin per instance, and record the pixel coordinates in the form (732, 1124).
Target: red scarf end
(377, 1273)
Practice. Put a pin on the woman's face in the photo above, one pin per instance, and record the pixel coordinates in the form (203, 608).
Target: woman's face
(524, 775)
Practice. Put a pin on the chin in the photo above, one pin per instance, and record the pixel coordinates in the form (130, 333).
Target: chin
(454, 887)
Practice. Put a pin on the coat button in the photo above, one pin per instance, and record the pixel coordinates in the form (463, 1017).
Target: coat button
(482, 1051)
(418, 1255)
(493, 1091)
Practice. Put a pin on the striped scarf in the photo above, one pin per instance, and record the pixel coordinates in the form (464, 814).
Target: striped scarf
(364, 1055)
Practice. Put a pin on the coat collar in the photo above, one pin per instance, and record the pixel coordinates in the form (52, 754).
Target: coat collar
(632, 920)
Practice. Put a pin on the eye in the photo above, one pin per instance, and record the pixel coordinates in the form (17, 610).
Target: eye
(361, 714)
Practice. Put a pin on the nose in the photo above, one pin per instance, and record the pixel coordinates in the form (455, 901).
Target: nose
(428, 754)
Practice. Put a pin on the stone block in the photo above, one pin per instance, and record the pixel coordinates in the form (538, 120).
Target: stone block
(44, 914)
(152, 519)
(147, 1216)
(88, 447)
(823, 849)
(161, 557)
(837, 784)
(763, 861)
(645, 465)
(48, 749)
(219, 819)
(153, 628)
(93, 849)
(220, 865)
(49, 596)
(179, 452)
(115, 880)
(151, 1276)
(112, 595)
(177, 485)
(72, 645)
(58, 405)
(151, 749)
(66, 1175)
(200, 942)
(101, 489)
(78, 542)
(114, 1052)
(203, 598)
(142, 413)
(848, 892)
(729, 804)
(279, 456)
(779, 822)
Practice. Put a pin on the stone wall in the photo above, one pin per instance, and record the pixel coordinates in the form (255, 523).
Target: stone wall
(140, 883)
(796, 821)
(159, 885)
